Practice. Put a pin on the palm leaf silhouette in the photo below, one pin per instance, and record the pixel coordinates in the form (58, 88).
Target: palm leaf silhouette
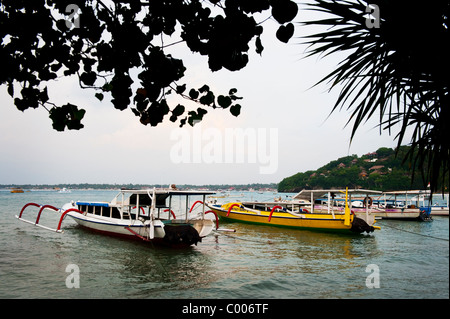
(398, 71)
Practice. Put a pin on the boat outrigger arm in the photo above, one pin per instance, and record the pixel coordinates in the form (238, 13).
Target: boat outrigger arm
(41, 209)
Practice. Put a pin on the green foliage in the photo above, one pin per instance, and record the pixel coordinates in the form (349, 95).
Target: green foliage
(383, 170)
(42, 41)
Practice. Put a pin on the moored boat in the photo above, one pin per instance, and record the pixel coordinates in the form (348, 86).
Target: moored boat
(332, 201)
(144, 214)
(406, 205)
(382, 205)
(295, 214)
(439, 210)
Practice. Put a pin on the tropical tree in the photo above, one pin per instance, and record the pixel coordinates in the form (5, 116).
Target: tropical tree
(396, 68)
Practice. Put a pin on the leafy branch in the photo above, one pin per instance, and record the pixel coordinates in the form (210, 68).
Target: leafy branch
(115, 40)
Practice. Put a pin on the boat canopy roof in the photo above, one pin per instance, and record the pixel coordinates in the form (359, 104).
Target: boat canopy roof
(273, 203)
(314, 194)
(166, 191)
(144, 197)
(412, 192)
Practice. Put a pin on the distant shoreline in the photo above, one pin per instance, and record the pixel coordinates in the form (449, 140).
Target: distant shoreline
(86, 186)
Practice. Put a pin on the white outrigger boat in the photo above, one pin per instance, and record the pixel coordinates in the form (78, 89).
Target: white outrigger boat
(145, 214)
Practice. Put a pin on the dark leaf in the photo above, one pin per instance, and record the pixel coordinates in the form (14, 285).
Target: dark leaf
(181, 88)
(194, 117)
(284, 33)
(203, 89)
(55, 67)
(43, 96)
(11, 89)
(177, 111)
(67, 116)
(235, 109)
(284, 10)
(193, 94)
(99, 96)
(135, 111)
(259, 46)
(207, 99)
(155, 113)
(107, 87)
(88, 78)
(224, 101)
(232, 91)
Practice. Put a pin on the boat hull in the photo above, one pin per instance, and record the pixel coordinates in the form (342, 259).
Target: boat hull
(439, 211)
(170, 232)
(116, 227)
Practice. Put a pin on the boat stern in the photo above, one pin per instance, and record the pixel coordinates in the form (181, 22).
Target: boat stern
(204, 227)
(360, 225)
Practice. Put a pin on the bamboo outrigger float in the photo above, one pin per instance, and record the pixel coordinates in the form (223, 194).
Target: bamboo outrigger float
(295, 214)
(139, 214)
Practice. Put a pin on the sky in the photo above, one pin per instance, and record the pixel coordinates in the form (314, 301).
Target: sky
(285, 118)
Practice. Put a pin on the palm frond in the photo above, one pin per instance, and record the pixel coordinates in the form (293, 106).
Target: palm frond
(396, 70)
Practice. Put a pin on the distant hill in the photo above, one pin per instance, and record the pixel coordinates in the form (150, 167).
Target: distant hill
(379, 170)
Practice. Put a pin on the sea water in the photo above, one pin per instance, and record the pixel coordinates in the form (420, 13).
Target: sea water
(405, 259)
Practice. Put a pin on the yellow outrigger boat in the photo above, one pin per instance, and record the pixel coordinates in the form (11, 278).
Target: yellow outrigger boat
(295, 215)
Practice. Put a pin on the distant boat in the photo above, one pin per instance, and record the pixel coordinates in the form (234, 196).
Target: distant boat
(16, 190)
(64, 190)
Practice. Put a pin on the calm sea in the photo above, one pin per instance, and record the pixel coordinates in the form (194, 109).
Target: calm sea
(405, 259)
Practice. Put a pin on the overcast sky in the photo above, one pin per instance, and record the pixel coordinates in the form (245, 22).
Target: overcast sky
(280, 111)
